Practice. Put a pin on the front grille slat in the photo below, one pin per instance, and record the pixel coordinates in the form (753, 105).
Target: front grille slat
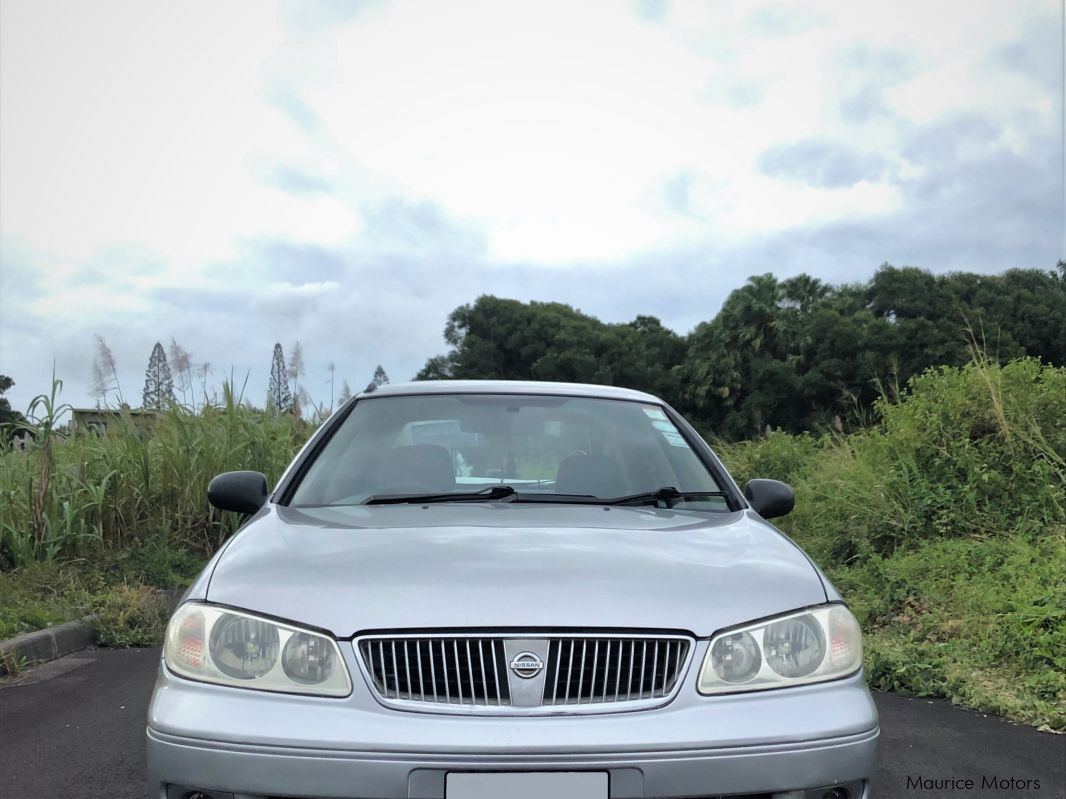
(421, 681)
(384, 673)
(606, 671)
(677, 667)
(580, 672)
(569, 672)
(655, 665)
(555, 650)
(395, 671)
(458, 675)
(618, 673)
(629, 681)
(644, 661)
(444, 670)
(407, 665)
(496, 674)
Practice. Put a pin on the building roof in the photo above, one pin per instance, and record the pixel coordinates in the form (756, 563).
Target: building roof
(117, 411)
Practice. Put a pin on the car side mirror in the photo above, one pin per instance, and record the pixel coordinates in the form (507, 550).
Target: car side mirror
(242, 492)
(769, 498)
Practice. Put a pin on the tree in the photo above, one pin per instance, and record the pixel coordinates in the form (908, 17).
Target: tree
(346, 392)
(439, 367)
(105, 373)
(379, 379)
(509, 340)
(158, 384)
(9, 419)
(794, 354)
(279, 397)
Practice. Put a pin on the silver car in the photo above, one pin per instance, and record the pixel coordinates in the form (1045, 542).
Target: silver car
(497, 590)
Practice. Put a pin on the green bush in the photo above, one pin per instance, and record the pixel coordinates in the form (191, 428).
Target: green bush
(944, 526)
(130, 616)
(43, 593)
(777, 455)
(40, 595)
(977, 451)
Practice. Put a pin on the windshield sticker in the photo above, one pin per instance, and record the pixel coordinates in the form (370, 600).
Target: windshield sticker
(669, 432)
(654, 413)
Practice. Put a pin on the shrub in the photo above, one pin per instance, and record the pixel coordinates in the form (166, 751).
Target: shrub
(944, 526)
(130, 616)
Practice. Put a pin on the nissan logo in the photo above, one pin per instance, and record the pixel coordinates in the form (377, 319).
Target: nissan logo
(526, 665)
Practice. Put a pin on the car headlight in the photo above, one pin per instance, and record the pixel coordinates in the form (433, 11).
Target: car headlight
(230, 647)
(804, 647)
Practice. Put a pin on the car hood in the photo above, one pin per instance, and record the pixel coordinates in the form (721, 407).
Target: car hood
(511, 566)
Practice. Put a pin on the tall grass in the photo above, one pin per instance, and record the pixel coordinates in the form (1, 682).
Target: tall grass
(943, 523)
(67, 496)
(944, 526)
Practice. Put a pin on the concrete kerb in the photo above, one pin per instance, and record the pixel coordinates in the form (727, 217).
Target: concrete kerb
(40, 646)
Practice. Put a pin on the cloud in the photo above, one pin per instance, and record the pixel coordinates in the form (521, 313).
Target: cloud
(398, 224)
(677, 193)
(826, 164)
(346, 175)
(277, 259)
(781, 19)
(325, 13)
(652, 10)
(866, 73)
(294, 181)
(985, 212)
(289, 103)
(1036, 54)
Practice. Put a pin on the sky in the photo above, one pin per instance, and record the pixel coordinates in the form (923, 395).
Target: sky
(345, 174)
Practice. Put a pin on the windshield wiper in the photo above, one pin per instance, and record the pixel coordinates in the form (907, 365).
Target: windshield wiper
(668, 495)
(486, 494)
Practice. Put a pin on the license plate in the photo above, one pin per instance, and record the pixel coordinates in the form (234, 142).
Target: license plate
(527, 785)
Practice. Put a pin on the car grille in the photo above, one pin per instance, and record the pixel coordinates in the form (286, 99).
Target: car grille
(471, 673)
(597, 670)
(463, 671)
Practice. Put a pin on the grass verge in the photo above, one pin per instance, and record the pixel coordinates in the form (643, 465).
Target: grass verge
(124, 589)
(944, 527)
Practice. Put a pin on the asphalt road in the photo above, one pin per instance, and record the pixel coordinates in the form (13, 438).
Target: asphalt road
(74, 729)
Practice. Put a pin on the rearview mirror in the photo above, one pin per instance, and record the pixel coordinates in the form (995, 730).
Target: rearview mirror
(770, 498)
(242, 492)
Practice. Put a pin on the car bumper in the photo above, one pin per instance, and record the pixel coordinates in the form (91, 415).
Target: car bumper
(250, 744)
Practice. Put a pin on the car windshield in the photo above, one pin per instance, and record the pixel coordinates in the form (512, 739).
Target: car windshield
(546, 448)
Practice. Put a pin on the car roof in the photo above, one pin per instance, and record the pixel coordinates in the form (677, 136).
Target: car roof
(510, 387)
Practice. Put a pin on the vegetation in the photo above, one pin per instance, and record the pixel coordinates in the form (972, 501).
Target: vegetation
(124, 590)
(795, 355)
(9, 419)
(71, 497)
(930, 477)
(279, 397)
(100, 524)
(944, 526)
(158, 390)
(379, 379)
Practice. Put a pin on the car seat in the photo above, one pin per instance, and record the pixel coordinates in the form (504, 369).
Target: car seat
(419, 466)
(592, 475)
